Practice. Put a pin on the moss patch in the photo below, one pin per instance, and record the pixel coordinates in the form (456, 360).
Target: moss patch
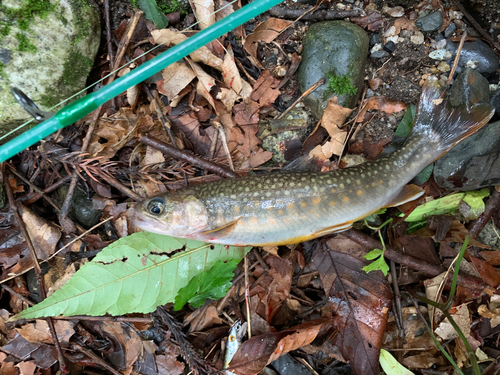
(170, 6)
(22, 17)
(340, 84)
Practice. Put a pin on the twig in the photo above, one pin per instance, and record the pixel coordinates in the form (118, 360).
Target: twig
(429, 269)
(223, 137)
(319, 15)
(18, 295)
(397, 300)
(247, 300)
(109, 43)
(457, 58)
(66, 223)
(49, 189)
(196, 363)
(492, 206)
(96, 358)
(117, 184)
(125, 319)
(307, 92)
(122, 46)
(186, 156)
(38, 270)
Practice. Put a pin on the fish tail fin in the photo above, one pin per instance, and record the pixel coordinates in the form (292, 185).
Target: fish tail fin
(444, 125)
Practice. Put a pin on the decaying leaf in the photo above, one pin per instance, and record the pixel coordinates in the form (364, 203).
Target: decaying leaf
(38, 332)
(265, 89)
(381, 103)
(204, 12)
(175, 78)
(259, 351)
(43, 235)
(169, 38)
(359, 301)
(461, 316)
(332, 120)
(372, 21)
(230, 72)
(266, 32)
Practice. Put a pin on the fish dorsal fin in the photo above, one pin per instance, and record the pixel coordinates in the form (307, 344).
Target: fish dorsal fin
(407, 194)
(221, 231)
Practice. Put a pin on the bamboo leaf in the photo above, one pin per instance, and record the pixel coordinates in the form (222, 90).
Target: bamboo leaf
(134, 274)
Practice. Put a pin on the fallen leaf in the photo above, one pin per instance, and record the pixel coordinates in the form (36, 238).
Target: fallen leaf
(359, 302)
(204, 10)
(193, 131)
(266, 32)
(334, 117)
(265, 89)
(423, 360)
(487, 272)
(380, 103)
(43, 235)
(230, 73)
(175, 78)
(203, 318)
(38, 332)
(205, 83)
(372, 21)
(404, 23)
(169, 38)
(461, 317)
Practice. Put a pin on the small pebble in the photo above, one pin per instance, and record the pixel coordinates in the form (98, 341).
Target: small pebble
(379, 54)
(473, 64)
(376, 47)
(430, 22)
(374, 39)
(391, 31)
(397, 11)
(438, 37)
(418, 38)
(406, 33)
(340, 6)
(394, 39)
(438, 44)
(390, 47)
(443, 67)
(440, 54)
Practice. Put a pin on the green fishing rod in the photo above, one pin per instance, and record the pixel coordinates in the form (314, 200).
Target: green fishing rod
(83, 106)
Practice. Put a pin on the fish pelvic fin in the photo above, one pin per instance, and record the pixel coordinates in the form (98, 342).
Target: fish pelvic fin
(407, 194)
(444, 125)
(221, 231)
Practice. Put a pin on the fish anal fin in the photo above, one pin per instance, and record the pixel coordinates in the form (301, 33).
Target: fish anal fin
(407, 194)
(333, 229)
(221, 231)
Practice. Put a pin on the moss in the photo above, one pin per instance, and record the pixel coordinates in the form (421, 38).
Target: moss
(135, 3)
(170, 6)
(2, 72)
(24, 44)
(340, 84)
(22, 17)
(82, 24)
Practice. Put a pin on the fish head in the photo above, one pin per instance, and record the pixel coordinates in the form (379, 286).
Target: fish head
(171, 214)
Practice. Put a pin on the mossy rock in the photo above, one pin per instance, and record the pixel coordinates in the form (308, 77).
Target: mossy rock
(48, 54)
(336, 51)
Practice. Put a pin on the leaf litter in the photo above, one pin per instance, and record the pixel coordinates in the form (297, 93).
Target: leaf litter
(313, 300)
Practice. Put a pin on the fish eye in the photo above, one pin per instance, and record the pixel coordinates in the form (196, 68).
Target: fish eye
(156, 206)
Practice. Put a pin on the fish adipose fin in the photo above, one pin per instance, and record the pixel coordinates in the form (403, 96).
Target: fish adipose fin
(448, 125)
(407, 194)
(221, 231)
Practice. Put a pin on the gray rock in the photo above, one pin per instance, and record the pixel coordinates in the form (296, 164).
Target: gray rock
(487, 61)
(430, 22)
(82, 210)
(450, 30)
(495, 102)
(489, 236)
(469, 88)
(379, 54)
(283, 137)
(337, 48)
(473, 164)
(48, 57)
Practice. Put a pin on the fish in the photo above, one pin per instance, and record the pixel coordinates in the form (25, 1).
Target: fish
(292, 207)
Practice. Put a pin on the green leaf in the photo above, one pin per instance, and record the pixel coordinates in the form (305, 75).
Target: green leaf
(448, 205)
(134, 274)
(424, 175)
(406, 124)
(375, 253)
(153, 13)
(390, 365)
(213, 283)
(475, 203)
(378, 265)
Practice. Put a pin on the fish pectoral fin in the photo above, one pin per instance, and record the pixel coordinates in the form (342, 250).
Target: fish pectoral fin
(333, 229)
(221, 231)
(407, 194)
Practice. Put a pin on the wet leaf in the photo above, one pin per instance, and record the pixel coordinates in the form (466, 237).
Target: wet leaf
(359, 302)
(43, 235)
(213, 283)
(153, 13)
(372, 21)
(266, 32)
(488, 273)
(406, 125)
(140, 272)
(230, 73)
(381, 103)
(175, 78)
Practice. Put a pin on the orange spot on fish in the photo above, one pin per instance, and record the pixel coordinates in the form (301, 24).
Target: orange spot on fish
(280, 212)
(332, 203)
(360, 192)
(333, 190)
(303, 204)
(271, 221)
(256, 203)
(255, 220)
(346, 199)
(380, 182)
(374, 184)
(316, 200)
(367, 186)
(290, 206)
(236, 209)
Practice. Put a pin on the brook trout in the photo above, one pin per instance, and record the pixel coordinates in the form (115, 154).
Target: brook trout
(287, 208)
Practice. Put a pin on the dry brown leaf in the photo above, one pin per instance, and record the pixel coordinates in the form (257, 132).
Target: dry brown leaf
(266, 32)
(202, 54)
(423, 360)
(404, 23)
(228, 97)
(203, 318)
(259, 157)
(204, 10)
(334, 117)
(38, 332)
(193, 131)
(381, 103)
(372, 21)
(447, 332)
(205, 83)
(153, 156)
(175, 78)
(225, 8)
(43, 235)
(265, 89)
(126, 340)
(334, 146)
(230, 73)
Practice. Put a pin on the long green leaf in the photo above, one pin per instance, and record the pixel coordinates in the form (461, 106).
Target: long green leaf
(153, 13)
(134, 274)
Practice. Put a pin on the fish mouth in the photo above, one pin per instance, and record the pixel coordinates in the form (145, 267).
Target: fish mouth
(146, 223)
